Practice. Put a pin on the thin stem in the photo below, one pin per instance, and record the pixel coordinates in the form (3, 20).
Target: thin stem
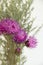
(19, 60)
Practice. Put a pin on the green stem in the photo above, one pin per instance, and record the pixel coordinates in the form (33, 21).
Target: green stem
(19, 60)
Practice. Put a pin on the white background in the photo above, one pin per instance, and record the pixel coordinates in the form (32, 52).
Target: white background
(35, 56)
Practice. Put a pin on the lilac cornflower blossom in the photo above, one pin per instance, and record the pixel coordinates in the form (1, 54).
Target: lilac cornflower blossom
(20, 36)
(31, 42)
(9, 26)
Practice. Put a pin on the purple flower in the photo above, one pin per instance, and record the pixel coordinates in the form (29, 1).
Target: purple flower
(17, 51)
(10, 26)
(20, 36)
(31, 42)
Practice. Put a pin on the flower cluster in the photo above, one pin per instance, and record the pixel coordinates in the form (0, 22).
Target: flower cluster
(9, 26)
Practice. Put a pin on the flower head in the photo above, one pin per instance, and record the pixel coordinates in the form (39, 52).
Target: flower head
(17, 51)
(10, 26)
(31, 42)
(20, 36)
